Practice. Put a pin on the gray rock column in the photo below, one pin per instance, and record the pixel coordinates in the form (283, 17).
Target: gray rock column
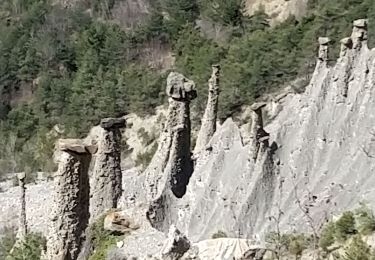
(258, 136)
(323, 48)
(106, 186)
(22, 228)
(171, 166)
(70, 212)
(359, 34)
(346, 44)
(208, 127)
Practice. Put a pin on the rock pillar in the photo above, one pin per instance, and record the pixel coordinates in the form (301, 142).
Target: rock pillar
(70, 212)
(346, 44)
(208, 127)
(171, 166)
(323, 48)
(22, 228)
(258, 135)
(106, 186)
(359, 34)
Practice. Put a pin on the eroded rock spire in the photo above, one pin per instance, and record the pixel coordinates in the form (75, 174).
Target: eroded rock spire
(258, 136)
(323, 48)
(359, 34)
(208, 127)
(22, 228)
(106, 186)
(70, 213)
(171, 168)
(172, 165)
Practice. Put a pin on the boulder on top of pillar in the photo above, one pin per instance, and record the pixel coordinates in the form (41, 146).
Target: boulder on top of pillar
(108, 123)
(180, 88)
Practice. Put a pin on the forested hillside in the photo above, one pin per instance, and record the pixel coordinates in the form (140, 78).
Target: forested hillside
(65, 68)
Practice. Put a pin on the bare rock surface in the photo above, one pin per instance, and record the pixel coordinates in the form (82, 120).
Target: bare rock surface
(106, 180)
(70, 209)
(278, 10)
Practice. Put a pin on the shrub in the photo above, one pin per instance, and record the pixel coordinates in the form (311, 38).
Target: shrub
(365, 220)
(296, 244)
(219, 234)
(345, 226)
(358, 250)
(30, 249)
(102, 240)
(7, 240)
(327, 237)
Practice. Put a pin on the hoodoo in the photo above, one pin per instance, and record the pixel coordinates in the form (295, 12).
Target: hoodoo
(22, 229)
(106, 185)
(258, 135)
(171, 167)
(70, 212)
(208, 127)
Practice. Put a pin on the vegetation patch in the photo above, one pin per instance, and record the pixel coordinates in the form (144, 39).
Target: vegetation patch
(102, 240)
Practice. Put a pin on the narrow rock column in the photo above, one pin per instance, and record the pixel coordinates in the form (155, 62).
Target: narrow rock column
(257, 134)
(70, 213)
(208, 127)
(359, 34)
(171, 167)
(22, 229)
(106, 186)
(323, 48)
(346, 44)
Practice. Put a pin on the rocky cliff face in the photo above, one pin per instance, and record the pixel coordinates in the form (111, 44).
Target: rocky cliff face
(278, 10)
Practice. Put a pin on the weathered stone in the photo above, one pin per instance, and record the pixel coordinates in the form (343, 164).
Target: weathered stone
(176, 245)
(346, 44)
(107, 176)
(119, 222)
(324, 40)
(22, 228)
(323, 48)
(360, 33)
(180, 88)
(76, 146)
(108, 123)
(70, 209)
(257, 132)
(171, 167)
(208, 127)
(360, 23)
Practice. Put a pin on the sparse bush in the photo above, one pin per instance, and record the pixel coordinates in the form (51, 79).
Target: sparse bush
(345, 226)
(327, 237)
(365, 220)
(358, 250)
(102, 240)
(219, 234)
(293, 244)
(7, 240)
(30, 249)
(297, 244)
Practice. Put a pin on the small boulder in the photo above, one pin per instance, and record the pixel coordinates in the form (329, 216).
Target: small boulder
(108, 123)
(119, 222)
